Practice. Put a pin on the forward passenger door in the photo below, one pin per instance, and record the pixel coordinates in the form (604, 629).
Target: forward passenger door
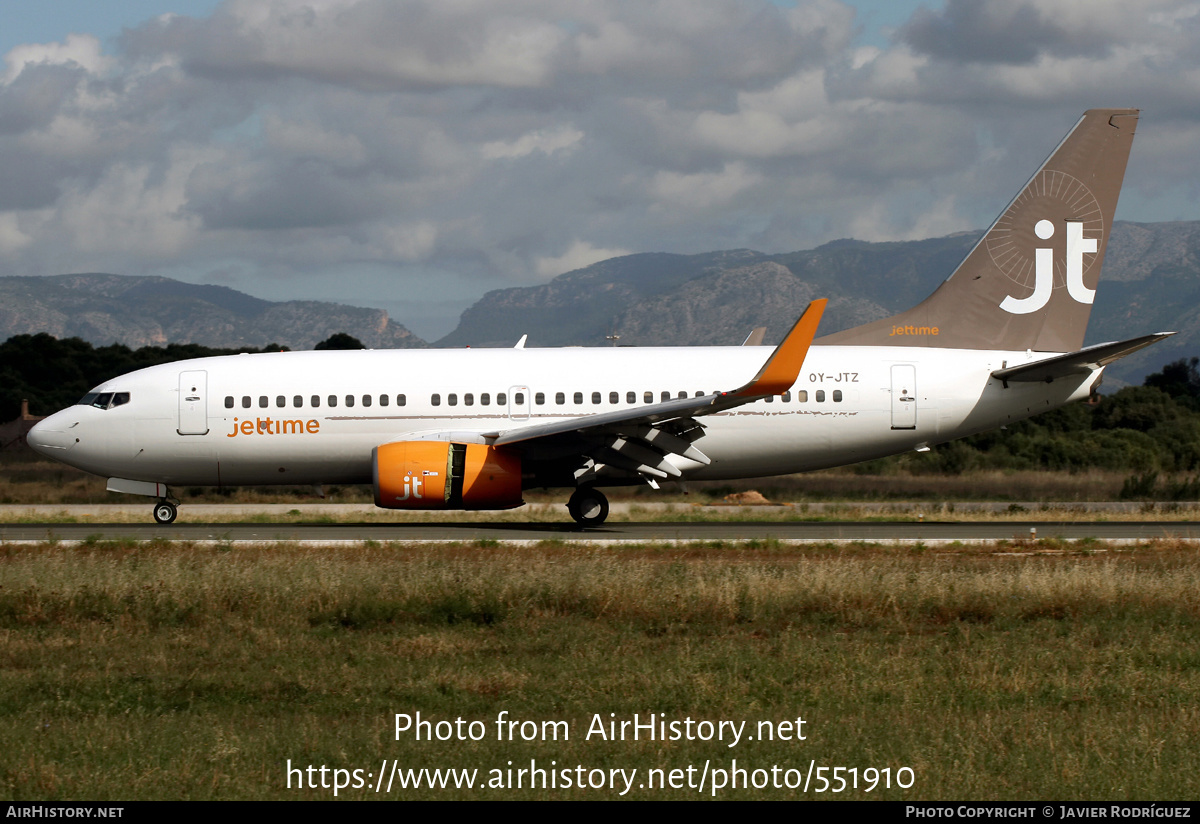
(193, 403)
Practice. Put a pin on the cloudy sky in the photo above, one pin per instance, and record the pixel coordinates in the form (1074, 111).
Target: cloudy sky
(413, 154)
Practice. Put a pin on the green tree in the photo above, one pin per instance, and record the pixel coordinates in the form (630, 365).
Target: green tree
(1180, 379)
(340, 340)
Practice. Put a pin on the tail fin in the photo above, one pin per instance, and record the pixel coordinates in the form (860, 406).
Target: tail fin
(1029, 283)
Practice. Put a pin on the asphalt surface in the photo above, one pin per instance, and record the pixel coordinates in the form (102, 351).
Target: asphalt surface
(820, 531)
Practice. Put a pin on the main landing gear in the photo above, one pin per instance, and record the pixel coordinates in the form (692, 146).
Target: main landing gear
(165, 511)
(588, 506)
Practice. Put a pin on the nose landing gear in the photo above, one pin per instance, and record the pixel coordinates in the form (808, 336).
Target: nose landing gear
(165, 511)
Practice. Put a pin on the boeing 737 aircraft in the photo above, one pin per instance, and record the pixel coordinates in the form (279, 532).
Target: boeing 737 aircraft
(1000, 340)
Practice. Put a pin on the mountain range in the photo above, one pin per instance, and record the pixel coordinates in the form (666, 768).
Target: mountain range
(1150, 282)
(154, 311)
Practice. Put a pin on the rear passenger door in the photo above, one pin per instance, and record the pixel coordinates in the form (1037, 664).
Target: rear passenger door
(904, 396)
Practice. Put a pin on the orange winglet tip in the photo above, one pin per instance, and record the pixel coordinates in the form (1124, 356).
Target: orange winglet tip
(783, 367)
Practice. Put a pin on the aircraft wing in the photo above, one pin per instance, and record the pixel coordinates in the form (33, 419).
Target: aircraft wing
(1077, 363)
(637, 440)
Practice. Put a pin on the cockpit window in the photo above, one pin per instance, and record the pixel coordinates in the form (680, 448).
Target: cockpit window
(104, 400)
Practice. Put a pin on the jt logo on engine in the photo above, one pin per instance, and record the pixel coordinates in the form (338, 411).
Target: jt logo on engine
(412, 488)
(1043, 262)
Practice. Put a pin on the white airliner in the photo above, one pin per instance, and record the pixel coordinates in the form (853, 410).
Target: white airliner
(1000, 340)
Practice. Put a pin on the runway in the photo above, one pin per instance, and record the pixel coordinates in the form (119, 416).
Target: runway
(623, 532)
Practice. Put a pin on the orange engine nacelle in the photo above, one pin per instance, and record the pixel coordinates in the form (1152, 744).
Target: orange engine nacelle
(441, 475)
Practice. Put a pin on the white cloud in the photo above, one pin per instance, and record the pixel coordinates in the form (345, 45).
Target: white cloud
(545, 141)
(82, 50)
(703, 190)
(11, 237)
(580, 254)
(490, 138)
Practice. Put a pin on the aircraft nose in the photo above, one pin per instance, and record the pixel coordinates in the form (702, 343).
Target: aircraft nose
(54, 435)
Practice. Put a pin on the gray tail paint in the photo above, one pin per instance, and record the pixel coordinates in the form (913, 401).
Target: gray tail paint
(1030, 281)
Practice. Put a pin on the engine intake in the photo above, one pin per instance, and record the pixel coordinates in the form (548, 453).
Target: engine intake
(441, 475)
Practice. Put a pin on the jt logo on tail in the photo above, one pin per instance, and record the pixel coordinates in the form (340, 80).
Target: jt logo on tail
(1050, 239)
(1077, 247)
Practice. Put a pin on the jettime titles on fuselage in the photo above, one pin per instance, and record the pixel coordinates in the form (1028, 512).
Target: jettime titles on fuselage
(273, 426)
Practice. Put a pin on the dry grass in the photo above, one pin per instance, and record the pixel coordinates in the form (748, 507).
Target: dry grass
(173, 671)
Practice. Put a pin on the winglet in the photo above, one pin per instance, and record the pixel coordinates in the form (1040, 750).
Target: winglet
(755, 338)
(783, 367)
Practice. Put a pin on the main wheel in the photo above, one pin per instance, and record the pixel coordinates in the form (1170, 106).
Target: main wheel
(165, 512)
(588, 506)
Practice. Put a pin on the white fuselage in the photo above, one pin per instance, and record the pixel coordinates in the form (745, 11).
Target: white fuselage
(269, 419)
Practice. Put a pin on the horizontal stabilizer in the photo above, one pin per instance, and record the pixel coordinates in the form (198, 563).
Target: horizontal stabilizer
(1077, 363)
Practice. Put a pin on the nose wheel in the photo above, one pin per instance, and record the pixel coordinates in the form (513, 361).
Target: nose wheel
(588, 506)
(165, 512)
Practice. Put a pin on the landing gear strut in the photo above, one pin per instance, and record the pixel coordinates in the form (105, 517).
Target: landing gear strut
(588, 506)
(165, 511)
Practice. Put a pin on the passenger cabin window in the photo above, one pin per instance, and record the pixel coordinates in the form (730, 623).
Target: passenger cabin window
(435, 399)
(366, 400)
(262, 401)
(332, 401)
(519, 399)
(787, 396)
(452, 399)
(383, 400)
(648, 397)
(501, 399)
(469, 399)
(666, 396)
(802, 395)
(540, 398)
(298, 401)
(560, 398)
(245, 401)
(316, 401)
(837, 396)
(578, 397)
(820, 396)
(401, 400)
(349, 400)
(595, 397)
(280, 401)
(485, 398)
(631, 397)
(229, 401)
(770, 399)
(614, 397)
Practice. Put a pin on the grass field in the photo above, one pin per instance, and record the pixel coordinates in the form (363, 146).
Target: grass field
(178, 671)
